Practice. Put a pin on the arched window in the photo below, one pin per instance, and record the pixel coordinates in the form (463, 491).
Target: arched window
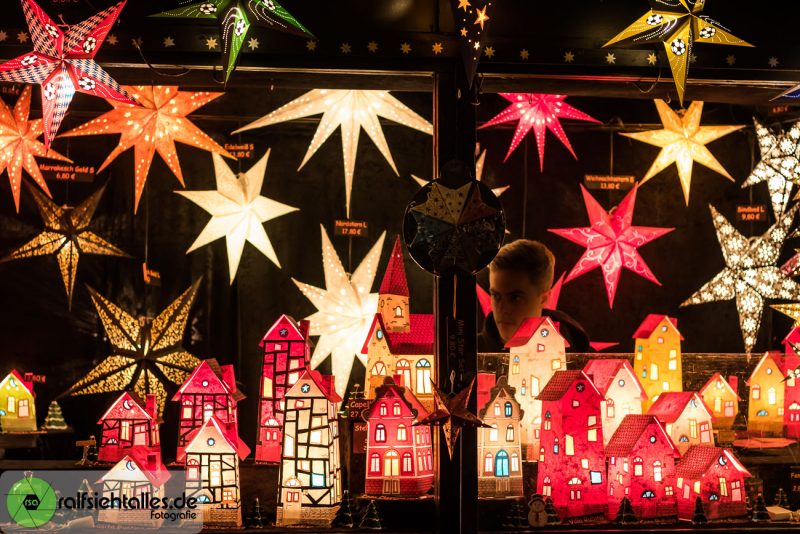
(509, 409)
(547, 489)
(382, 409)
(488, 464)
(762, 413)
(515, 366)
(192, 469)
(648, 494)
(396, 408)
(496, 408)
(187, 409)
(380, 434)
(637, 467)
(756, 390)
(534, 386)
(398, 311)
(501, 464)
(610, 408)
(208, 411)
(771, 396)
(493, 433)
(657, 471)
(510, 433)
(555, 446)
(379, 369)
(375, 463)
(391, 464)
(522, 389)
(404, 370)
(401, 433)
(514, 462)
(408, 463)
(423, 376)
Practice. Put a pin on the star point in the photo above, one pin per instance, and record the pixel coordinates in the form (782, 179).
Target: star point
(611, 59)
(211, 43)
(464, 32)
(22, 37)
(463, 4)
(168, 42)
(3, 36)
(112, 39)
(730, 59)
(569, 57)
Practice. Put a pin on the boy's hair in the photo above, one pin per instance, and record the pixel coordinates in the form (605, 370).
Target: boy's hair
(527, 256)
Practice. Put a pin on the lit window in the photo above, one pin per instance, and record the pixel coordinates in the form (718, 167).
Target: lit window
(401, 433)
(610, 408)
(697, 487)
(496, 408)
(663, 328)
(379, 334)
(398, 311)
(423, 367)
(569, 445)
(713, 497)
(657, 471)
(756, 391)
(683, 439)
(576, 403)
(653, 371)
(769, 371)
(408, 463)
(621, 382)
(522, 389)
(391, 464)
(762, 413)
(382, 409)
(556, 364)
(584, 463)
(771, 396)
(515, 366)
(379, 369)
(315, 437)
(317, 480)
(555, 446)
(665, 385)
(488, 464)
(509, 410)
(592, 434)
(375, 463)
(723, 487)
(510, 433)
(493, 433)
(660, 340)
(592, 420)
(501, 464)
(637, 467)
(544, 332)
(693, 428)
(596, 477)
(648, 494)
(380, 434)
(668, 491)
(396, 408)
(541, 454)
(288, 446)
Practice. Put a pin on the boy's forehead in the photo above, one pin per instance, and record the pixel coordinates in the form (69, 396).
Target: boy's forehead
(510, 280)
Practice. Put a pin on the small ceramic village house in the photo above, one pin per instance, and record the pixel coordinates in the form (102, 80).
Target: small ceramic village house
(657, 356)
(722, 399)
(499, 446)
(716, 476)
(686, 417)
(622, 392)
(128, 423)
(17, 404)
(774, 404)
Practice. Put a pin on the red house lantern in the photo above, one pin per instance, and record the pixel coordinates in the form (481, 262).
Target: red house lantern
(716, 476)
(127, 423)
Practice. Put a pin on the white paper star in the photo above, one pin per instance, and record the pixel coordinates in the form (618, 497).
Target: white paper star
(611, 59)
(238, 212)
(779, 165)
(773, 62)
(211, 43)
(3, 36)
(253, 43)
(569, 57)
(352, 110)
(345, 310)
(169, 42)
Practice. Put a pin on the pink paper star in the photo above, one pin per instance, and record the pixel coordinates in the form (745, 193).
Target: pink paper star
(611, 242)
(538, 112)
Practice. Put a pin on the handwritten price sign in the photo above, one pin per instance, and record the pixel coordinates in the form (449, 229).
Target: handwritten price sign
(241, 150)
(350, 228)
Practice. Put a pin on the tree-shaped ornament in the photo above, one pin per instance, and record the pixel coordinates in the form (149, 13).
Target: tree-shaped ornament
(344, 515)
(781, 499)
(255, 519)
(699, 517)
(760, 513)
(54, 420)
(371, 519)
(516, 517)
(625, 515)
(552, 513)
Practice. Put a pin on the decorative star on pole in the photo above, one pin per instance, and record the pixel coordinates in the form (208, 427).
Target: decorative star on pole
(66, 235)
(472, 19)
(238, 212)
(611, 242)
(677, 24)
(538, 112)
(682, 141)
(235, 17)
(351, 110)
(153, 127)
(779, 165)
(751, 274)
(479, 165)
(20, 145)
(63, 63)
(345, 310)
(146, 352)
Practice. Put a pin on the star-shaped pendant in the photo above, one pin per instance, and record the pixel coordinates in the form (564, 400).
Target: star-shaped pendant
(683, 141)
(779, 165)
(751, 274)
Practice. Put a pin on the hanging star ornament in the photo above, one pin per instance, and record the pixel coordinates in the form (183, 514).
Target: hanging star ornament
(677, 24)
(66, 235)
(63, 63)
(479, 165)
(238, 212)
(153, 126)
(538, 112)
(472, 18)
(751, 274)
(779, 165)
(351, 110)
(611, 242)
(452, 414)
(682, 141)
(146, 352)
(19, 145)
(345, 310)
(235, 17)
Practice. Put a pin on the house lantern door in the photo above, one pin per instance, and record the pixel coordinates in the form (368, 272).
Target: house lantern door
(391, 473)
(292, 502)
(23, 408)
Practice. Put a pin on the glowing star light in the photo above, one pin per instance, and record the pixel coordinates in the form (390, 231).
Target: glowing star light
(147, 352)
(677, 24)
(751, 274)
(66, 235)
(345, 310)
(238, 212)
(682, 141)
(779, 165)
(611, 242)
(63, 63)
(472, 18)
(19, 145)
(153, 127)
(235, 18)
(538, 112)
(352, 110)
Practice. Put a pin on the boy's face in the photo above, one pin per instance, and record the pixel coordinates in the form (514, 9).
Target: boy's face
(514, 299)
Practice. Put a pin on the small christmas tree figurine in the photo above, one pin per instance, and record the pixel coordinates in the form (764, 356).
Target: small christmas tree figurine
(516, 516)
(625, 515)
(748, 503)
(371, 519)
(550, 510)
(699, 517)
(254, 520)
(781, 499)
(760, 510)
(344, 515)
(54, 420)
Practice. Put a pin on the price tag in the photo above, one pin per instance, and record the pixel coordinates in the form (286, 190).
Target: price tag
(67, 172)
(609, 182)
(241, 150)
(350, 228)
(751, 212)
(355, 410)
(151, 276)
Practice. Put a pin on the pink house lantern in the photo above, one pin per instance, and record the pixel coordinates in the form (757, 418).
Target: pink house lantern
(128, 422)
(622, 391)
(499, 447)
(686, 418)
(722, 399)
(716, 476)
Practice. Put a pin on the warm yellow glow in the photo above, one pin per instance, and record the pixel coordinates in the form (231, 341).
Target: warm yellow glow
(791, 310)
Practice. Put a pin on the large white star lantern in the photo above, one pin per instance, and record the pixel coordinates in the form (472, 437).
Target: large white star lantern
(779, 165)
(345, 310)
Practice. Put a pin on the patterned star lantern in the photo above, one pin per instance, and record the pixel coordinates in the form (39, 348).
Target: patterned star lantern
(152, 127)
(147, 352)
(472, 24)
(751, 274)
(63, 63)
(345, 310)
(538, 112)
(235, 17)
(19, 144)
(677, 24)
(66, 235)
(682, 141)
(352, 110)
(779, 165)
(611, 242)
(238, 212)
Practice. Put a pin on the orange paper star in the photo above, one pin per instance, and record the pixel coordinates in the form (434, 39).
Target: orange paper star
(482, 18)
(154, 126)
(19, 144)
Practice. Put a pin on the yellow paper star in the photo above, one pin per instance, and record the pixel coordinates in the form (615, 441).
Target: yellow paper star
(19, 145)
(405, 48)
(652, 58)
(524, 54)
(489, 51)
(791, 311)
(569, 57)
(463, 4)
(372, 46)
(464, 32)
(682, 141)
(66, 236)
(311, 46)
(437, 48)
(482, 18)
(153, 126)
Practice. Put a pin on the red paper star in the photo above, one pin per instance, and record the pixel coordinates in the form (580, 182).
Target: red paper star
(538, 112)
(63, 63)
(611, 242)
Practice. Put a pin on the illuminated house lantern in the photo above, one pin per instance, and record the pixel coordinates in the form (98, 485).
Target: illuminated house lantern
(572, 466)
(309, 478)
(774, 407)
(716, 476)
(212, 472)
(286, 355)
(641, 467)
(686, 418)
(139, 474)
(126, 424)
(209, 390)
(536, 351)
(499, 446)
(399, 455)
(622, 391)
(657, 358)
(721, 397)
(399, 342)
(17, 404)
